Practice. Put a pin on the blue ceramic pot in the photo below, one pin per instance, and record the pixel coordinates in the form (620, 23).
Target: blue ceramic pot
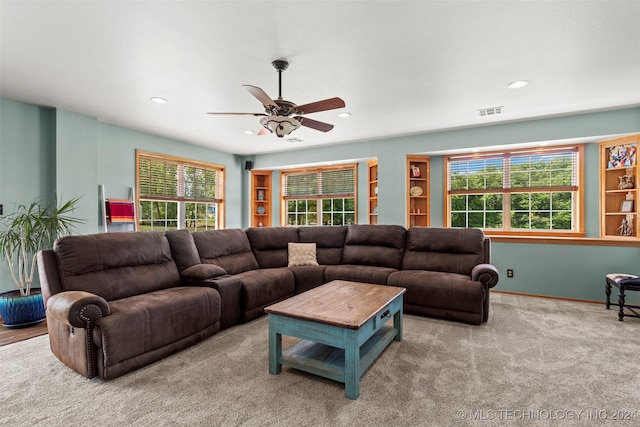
(18, 311)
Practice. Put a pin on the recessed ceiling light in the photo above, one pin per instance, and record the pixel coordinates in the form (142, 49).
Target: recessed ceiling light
(249, 132)
(344, 114)
(159, 100)
(517, 84)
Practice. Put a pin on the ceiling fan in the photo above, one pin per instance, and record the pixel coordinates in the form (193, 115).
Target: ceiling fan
(277, 117)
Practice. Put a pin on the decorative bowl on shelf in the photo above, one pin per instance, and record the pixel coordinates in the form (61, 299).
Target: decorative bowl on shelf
(415, 191)
(261, 210)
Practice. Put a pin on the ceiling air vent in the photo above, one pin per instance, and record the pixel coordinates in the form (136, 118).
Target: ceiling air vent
(491, 111)
(294, 140)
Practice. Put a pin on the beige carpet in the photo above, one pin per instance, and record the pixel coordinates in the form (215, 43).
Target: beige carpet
(536, 361)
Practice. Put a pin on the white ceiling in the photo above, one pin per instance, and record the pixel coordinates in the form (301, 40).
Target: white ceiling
(402, 67)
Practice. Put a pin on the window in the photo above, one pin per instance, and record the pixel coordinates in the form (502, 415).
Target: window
(178, 193)
(535, 191)
(323, 196)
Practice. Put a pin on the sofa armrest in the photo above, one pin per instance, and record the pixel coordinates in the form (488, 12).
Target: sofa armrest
(486, 274)
(77, 308)
(203, 272)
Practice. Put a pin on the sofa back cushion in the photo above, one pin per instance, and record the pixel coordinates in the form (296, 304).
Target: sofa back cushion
(270, 244)
(450, 250)
(329, 242)
(376, 245)
(230, 249)
(183, 248)
(116, 265)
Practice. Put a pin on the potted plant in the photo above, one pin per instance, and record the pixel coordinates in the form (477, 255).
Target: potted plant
(22, 234)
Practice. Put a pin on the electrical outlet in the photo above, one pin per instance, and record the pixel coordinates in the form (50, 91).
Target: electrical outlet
(510, 272)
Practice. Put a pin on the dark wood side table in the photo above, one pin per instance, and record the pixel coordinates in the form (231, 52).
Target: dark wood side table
(624, 283)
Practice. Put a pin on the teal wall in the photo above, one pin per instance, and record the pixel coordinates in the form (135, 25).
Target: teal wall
(73, 154)
(27, 172)
(565, 270)
(47, 152)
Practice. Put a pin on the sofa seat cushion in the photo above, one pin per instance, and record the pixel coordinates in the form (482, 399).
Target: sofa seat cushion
(143, 323)
(263, 287)
(447, 291)
(358, 273)
(308, 277)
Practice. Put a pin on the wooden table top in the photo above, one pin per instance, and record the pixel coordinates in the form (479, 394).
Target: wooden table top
(339, 303)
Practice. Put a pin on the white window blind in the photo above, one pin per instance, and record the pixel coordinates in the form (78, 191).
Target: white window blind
(318, 184)
(167, 178)
(530, 170)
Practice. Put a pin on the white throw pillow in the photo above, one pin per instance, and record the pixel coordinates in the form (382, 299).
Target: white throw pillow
(302, 254)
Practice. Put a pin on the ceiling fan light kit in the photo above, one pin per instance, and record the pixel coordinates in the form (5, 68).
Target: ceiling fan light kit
(280, 125)
(277, 112)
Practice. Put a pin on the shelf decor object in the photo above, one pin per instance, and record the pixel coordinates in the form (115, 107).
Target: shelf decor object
(261, 198)
(619, 188)
(622, 156)
(626, 206)
(625, 228)
(373, 191)
(417, 190)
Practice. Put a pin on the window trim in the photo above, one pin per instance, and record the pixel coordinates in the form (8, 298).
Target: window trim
(318, 197)
(579, 198)
(220, 198)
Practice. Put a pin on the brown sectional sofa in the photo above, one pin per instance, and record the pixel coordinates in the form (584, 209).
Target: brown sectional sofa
(116, 302)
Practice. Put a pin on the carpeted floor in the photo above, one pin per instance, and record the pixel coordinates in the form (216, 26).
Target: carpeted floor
(536, 362)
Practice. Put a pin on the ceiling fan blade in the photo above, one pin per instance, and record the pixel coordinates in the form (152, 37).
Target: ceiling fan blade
(324, 105)
(242, 114)
(260, 95)
(314, 124)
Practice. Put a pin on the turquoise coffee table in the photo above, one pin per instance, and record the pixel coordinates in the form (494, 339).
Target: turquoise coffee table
(343, 327)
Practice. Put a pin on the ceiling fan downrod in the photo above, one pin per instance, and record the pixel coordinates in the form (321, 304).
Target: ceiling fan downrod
(280, 65)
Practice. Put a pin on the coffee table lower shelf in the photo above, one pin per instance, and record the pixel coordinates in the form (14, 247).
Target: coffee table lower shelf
(329, 362)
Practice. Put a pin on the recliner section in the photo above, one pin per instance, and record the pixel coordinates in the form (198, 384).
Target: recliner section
(116, 302)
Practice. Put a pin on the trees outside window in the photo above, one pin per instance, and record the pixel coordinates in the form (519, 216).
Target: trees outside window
(516, 191)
